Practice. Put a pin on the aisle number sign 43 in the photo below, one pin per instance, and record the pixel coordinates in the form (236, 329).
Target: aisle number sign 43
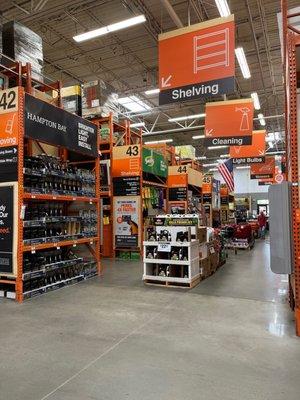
(8, 100)
(126, 160)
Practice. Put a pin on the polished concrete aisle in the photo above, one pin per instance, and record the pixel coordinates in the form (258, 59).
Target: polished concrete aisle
(111, 338)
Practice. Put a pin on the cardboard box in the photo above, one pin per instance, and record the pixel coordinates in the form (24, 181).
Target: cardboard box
(22, 44)
(203, 251)
(204, 267)
(214, 261)
(202, 234)
(99, 98)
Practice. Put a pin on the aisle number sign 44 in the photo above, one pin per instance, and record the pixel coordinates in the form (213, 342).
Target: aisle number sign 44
(126, 160)
(9, 105)
(197, 61)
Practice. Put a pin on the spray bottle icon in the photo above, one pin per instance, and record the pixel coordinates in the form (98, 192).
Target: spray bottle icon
(245, 118)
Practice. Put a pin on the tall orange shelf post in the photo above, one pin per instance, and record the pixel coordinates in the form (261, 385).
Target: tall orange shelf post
(19, 139)
(291, 40)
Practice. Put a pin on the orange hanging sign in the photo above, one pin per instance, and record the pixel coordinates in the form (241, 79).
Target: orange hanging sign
(255, 153)
(197, 61)
(229, 123)
(263, 171)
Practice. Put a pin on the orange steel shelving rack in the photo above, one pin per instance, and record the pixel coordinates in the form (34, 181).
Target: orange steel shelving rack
(22, 78)
(291, 40)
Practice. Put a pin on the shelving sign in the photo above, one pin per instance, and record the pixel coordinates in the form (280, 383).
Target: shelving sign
(197, 61)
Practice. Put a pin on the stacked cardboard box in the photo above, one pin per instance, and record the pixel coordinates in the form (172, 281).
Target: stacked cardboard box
(22, 44)
(99, 99)
(72, 99)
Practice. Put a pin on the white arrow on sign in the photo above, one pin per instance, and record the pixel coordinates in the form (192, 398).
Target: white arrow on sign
(209, 132)
(15, 150)
(261, 153)
(166, 82)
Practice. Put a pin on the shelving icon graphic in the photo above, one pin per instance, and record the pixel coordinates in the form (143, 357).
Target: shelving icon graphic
(10, 125)
(211, 50)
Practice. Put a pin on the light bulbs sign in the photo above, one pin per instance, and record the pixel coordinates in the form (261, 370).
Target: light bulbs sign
(254, 153)
(197, 61)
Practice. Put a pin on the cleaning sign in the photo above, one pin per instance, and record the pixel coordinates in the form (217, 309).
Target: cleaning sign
(197, 61)
(229, 123)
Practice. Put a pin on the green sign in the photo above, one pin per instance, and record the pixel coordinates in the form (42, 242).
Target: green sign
(154, 163)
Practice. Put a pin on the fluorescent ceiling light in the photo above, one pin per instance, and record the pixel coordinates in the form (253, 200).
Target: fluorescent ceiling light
(275, 152)
(137, 125)
(160, 141)
(134, 104)
(210, 165)
(255, 99)
(187, 117)
(110, 28)
(201, 158)
(240, 55)
(224, 155)
(262, 119)
(198, 137)
(223, 8)
(243, 167)
(152, 91)
(216, 147)
(213, 169)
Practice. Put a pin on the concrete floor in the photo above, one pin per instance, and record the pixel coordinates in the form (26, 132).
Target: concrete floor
(111, 338)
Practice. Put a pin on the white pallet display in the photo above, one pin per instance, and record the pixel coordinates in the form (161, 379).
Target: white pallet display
(192, 263)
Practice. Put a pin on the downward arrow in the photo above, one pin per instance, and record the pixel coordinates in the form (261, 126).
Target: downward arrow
(261, 153)
(209, 132)
(166, 82)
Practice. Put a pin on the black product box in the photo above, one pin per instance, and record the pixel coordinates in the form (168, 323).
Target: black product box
(22, 44)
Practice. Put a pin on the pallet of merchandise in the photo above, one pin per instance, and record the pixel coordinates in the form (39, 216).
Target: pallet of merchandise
(173, 283)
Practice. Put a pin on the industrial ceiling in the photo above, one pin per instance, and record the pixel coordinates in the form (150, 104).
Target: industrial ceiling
(128, 59)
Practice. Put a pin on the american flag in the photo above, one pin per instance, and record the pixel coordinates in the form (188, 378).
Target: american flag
(226, 170)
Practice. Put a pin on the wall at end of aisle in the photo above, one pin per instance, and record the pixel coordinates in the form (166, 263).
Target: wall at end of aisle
(243, 184)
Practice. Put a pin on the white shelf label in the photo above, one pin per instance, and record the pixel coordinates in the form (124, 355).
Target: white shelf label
(165, 247)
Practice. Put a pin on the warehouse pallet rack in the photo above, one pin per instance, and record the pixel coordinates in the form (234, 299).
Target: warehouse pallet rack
(111, 133)
(74, 267)
(291, 40)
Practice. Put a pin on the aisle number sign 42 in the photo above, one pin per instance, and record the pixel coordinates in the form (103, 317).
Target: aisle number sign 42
(9, 119)
(8, 100)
